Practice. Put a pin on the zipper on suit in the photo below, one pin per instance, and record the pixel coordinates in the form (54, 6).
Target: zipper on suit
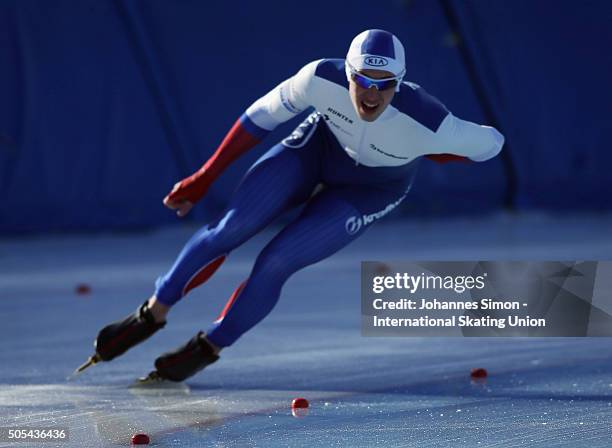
(363, 133)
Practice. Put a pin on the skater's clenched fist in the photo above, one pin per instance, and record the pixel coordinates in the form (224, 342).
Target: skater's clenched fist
(175, 202)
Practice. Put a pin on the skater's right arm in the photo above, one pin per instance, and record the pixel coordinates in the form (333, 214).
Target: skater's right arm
(281, 104)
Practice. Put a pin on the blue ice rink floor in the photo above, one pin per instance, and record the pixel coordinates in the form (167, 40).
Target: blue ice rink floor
(391, 392)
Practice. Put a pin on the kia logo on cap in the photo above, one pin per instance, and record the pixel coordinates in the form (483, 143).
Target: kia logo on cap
(376, 61)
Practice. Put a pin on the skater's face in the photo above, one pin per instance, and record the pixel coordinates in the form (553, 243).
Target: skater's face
(370, 103)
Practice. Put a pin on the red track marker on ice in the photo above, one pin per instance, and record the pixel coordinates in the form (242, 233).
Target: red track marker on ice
(140, 439)
(299, 403)
(479, 373)
(382, 269)
(83, 289)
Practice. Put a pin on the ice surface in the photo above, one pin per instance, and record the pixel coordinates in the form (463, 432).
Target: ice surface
(392, 392)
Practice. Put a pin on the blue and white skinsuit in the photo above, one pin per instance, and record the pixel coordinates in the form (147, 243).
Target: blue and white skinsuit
(365, 168)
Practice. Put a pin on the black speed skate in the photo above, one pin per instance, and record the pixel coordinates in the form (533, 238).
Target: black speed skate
(183, 362)
(118, 337)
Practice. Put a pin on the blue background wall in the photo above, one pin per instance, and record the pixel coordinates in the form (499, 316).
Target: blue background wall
(104, 105)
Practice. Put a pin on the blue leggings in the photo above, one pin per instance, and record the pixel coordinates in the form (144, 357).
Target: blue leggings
(286, 176)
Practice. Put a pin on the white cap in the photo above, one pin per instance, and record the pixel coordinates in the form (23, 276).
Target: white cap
(377, 50)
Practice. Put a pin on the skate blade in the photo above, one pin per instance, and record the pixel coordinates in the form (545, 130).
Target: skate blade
(93, 360)
(153, 382)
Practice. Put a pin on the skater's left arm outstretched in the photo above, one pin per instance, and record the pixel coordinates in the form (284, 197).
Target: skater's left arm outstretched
(282, 103)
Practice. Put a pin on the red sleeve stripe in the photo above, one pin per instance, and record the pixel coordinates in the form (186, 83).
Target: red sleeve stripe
(238, 141)
(445, 158)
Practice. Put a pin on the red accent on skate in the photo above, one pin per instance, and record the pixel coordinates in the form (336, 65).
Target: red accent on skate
(478, 373)
(230, 302)
(445, 158)
(140, 439)
(204, 274)
(299, 403)
(118, 338)
(180, 357)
